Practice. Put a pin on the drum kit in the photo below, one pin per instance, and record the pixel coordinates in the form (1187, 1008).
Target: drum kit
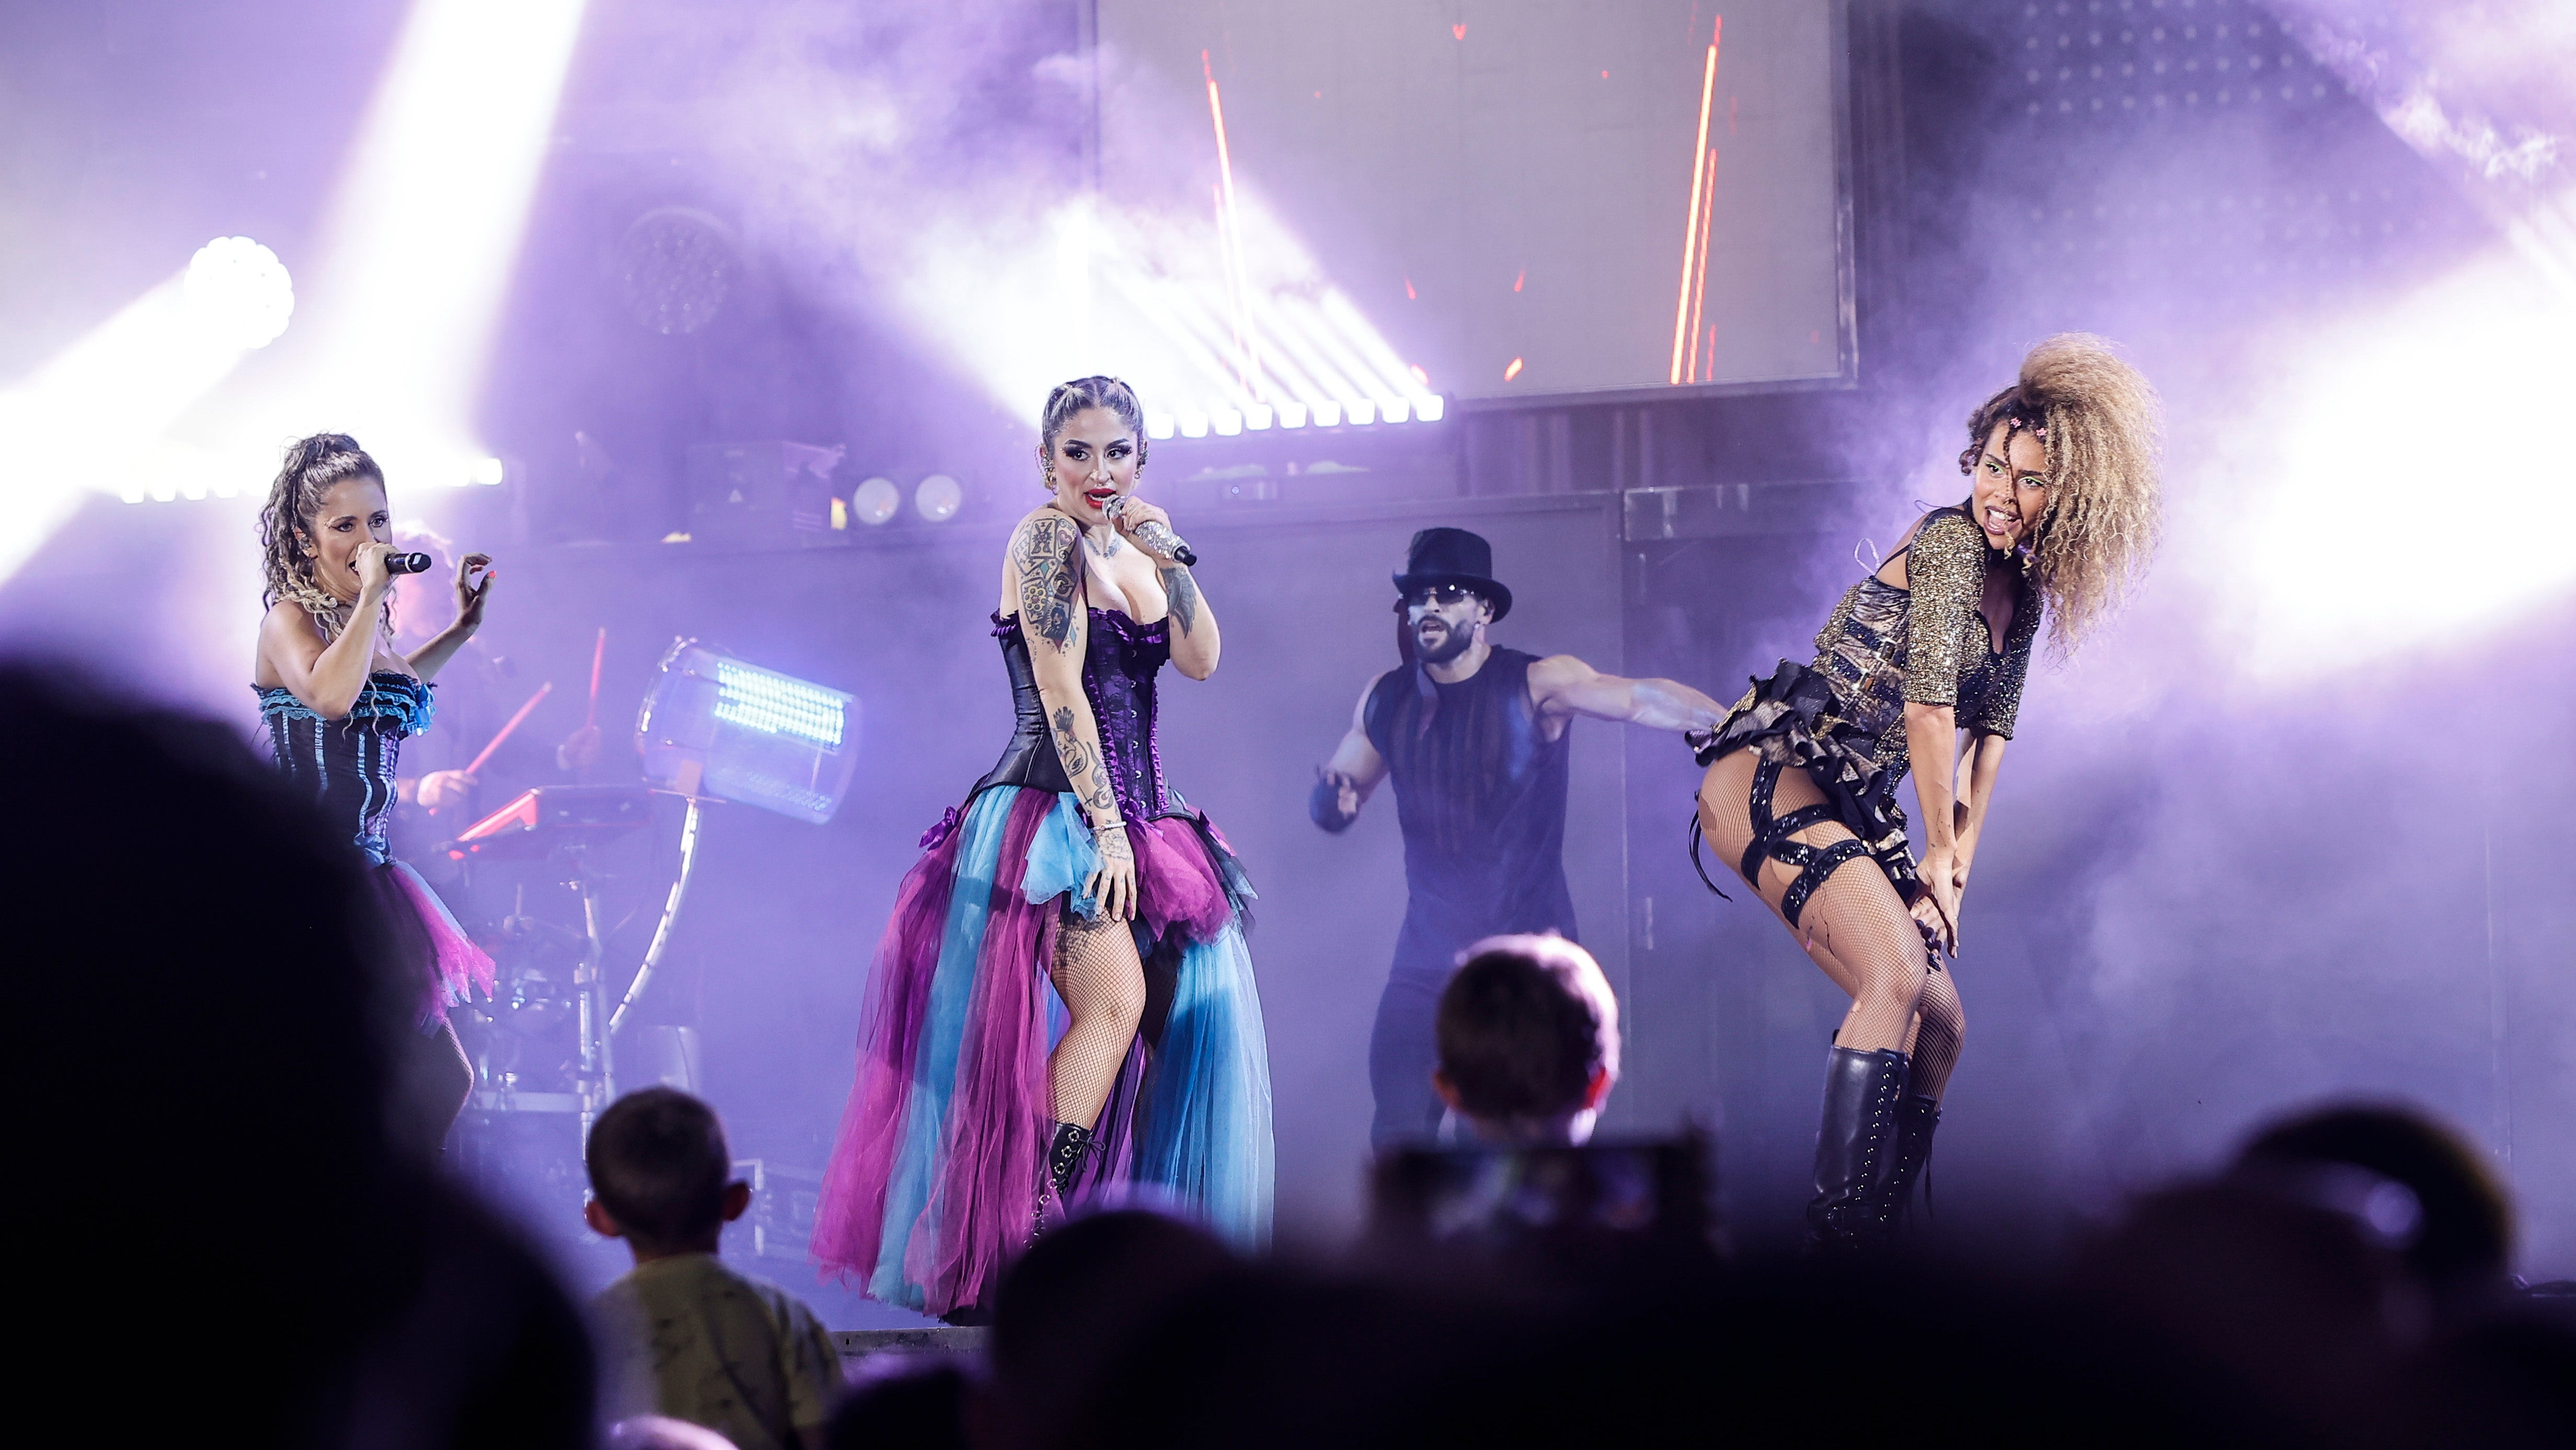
(553, 973)
(554, 1045)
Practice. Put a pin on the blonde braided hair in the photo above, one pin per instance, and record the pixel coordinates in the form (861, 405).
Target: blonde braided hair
(312, 466)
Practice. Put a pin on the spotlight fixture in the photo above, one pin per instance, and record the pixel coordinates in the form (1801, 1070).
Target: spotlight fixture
(1194, 425)
(1292, 415)
(674, 268)
(1229, 423)
(718, 726)
(1395, 410)
(487, 471)
(1361, 411)
(1257, 417)
(875, 501)
(1158, 425)
(1328, 414)
(937, 498)
(1429, 407)
(238, 292)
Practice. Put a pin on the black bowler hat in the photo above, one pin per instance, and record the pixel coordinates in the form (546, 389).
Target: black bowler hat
(1453, 556)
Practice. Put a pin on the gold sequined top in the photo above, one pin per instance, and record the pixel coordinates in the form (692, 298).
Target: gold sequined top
(1927, 643)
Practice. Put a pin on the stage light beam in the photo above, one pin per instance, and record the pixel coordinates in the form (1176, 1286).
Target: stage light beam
(426, 227)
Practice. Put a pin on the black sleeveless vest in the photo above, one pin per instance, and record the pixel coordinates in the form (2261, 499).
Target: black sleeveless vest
(1480, 792)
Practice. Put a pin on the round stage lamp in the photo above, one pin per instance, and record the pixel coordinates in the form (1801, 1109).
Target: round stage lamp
(238, 292)
(674, 268)
(875, 501)
(938, 498)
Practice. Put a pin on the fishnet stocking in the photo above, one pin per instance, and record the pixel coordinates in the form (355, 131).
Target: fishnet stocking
(1854, 925)
(1103, 986)
(1939, 1027)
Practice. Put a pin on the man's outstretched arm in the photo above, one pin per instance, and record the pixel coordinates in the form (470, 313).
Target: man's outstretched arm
(1563, 685)
(1343, 783)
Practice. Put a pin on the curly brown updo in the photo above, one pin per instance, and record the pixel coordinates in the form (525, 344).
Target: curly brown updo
(2101, 423)
(312, 466)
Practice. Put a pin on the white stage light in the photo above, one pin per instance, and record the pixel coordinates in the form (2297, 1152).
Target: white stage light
(1429, 407)
(487, 472)
(1362, 411)
(1328, 414)
(717, 725)
(238, 292)
(425, 230)
(875, 501)
(1229, 423)
(1194, 425)
(1396, 410)
(937, 498)
(1257, 417)
(1158, 425)
(1292, 415)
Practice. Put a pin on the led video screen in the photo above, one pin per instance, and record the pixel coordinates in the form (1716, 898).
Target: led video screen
(1518, 198)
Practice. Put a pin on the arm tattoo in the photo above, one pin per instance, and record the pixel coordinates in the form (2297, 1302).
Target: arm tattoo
(1080, 760)
(1049, 576)
(1183, 592)
(1077, 757)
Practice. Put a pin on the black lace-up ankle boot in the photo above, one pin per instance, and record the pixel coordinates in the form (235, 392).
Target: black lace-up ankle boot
(1855, 1149)
(1064, 1157)
(1916, 1117)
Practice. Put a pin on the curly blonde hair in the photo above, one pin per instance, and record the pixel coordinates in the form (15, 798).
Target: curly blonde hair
(294, 499)
(2102, 426)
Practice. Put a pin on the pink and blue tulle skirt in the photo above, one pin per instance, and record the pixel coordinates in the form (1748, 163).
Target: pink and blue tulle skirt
(445, 960)
(939, 1173)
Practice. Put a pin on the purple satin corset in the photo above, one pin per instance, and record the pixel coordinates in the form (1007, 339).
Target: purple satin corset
(1119, 664)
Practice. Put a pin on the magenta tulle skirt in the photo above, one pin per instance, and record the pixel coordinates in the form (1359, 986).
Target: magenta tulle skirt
(938, 1175)
(445, 960)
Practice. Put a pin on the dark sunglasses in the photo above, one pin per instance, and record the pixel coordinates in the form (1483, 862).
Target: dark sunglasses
(1439, 596)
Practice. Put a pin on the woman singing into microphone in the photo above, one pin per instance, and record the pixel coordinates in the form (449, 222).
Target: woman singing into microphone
(338, 702)
(1075, 890)
(1802, 774)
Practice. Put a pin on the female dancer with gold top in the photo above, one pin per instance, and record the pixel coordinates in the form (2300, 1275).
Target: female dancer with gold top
(1802, 774)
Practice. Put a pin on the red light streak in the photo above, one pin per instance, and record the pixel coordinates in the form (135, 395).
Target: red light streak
(1408, 290)
(1691, 236)
(1230, 233)
(1523, 277)
(1699, 284)
(1459, 31)
(1513, 371)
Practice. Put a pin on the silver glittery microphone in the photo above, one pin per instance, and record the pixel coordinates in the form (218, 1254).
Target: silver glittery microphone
(1155, 535)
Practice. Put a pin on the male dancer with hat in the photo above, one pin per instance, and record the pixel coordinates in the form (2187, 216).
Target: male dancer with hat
(1474, 735)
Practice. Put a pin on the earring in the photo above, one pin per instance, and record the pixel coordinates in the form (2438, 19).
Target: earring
(1049, 470)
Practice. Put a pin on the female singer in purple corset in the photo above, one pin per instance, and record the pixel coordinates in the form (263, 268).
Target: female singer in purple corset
(338, 703)
(1062, 1006)
(1802, 774)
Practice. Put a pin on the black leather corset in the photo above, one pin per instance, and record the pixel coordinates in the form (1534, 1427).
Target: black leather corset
(1119, 664)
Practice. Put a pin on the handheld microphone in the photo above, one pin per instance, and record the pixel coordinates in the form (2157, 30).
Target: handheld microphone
(409, 563)
(1155, 536)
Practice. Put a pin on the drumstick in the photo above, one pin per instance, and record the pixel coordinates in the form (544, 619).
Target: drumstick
(598, 652)
(542, 691)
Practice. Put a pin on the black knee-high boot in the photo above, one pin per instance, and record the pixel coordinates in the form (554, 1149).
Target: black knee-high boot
(1916, 1117)
(1855, 1148)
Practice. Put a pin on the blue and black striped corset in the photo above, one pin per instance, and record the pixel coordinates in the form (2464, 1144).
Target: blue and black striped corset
(349, 764)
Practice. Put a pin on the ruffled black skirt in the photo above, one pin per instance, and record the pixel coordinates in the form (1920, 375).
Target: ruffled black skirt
(1793, 719)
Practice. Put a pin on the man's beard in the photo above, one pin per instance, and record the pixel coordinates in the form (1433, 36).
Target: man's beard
(1453, 643)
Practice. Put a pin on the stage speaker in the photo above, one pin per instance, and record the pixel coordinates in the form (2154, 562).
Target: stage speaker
(760, 493)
